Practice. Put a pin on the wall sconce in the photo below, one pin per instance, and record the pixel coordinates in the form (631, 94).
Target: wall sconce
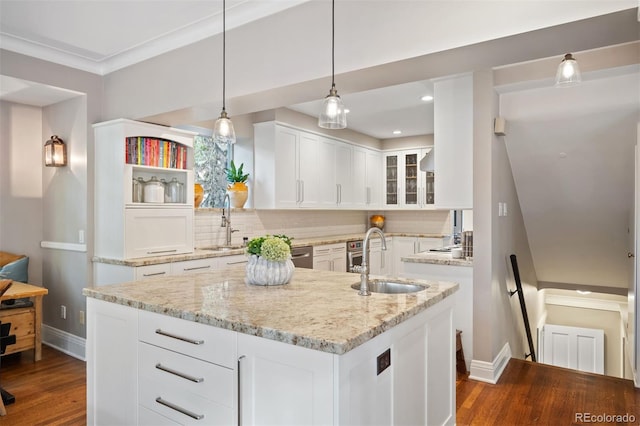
(55, 152)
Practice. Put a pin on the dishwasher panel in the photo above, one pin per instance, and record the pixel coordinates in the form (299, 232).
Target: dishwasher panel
(302, 257)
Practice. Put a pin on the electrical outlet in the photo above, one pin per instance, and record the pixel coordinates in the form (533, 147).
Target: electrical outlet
(63, 312)
(82, 317)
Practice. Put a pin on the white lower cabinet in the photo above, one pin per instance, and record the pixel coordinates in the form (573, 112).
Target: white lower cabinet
(330, 257)
(186, 370)
(381, 261)
(194, 266)
(282, 384)
(157, 232)
(146, 368)
(407, 246)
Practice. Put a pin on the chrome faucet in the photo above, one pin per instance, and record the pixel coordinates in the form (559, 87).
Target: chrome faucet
(364, 269)
(226, 219)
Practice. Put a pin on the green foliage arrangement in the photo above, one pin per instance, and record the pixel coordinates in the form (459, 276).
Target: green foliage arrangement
(236, 175)
(272, 247)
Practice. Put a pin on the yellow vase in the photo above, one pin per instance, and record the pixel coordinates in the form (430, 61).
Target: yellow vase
(238, 194)
(198, 195)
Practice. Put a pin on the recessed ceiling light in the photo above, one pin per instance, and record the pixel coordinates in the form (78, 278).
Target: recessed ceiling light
(426, 98)
(347, 110)
(397, 132)
(583, 291)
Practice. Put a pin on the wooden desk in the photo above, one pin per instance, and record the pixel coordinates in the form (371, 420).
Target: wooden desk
(25, 322)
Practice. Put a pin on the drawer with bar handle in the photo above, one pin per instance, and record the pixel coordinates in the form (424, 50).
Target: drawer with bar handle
(190, 338)
(185, 389)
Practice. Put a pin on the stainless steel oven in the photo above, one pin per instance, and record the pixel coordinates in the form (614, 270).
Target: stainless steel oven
(354, 256)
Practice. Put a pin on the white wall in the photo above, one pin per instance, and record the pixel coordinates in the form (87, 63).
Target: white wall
(21, 167)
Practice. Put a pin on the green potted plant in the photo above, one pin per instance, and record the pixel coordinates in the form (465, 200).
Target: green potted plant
(269, 260)
(237, 188)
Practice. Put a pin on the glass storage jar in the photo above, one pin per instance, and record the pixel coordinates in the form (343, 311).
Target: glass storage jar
(153, 191)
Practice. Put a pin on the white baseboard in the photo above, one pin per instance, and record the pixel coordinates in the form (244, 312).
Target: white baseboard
(490, 372)
(65, 342)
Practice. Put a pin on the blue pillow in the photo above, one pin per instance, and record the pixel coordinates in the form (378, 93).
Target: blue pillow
(17, 270)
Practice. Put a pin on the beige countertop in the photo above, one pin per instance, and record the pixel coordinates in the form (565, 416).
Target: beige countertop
(201, 253)
(437, 258)
(317, 309)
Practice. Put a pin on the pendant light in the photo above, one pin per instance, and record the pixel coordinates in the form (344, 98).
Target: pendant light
(333, 114)
(223, 131)
(568, 72)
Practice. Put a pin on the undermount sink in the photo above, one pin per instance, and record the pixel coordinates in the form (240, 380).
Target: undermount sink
(391, 287)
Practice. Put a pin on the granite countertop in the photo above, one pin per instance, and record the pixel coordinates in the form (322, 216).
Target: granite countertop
(437, 258)
(317, 309)
(201, 253)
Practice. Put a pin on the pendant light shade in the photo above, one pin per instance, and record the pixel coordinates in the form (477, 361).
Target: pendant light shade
(223, 131)
(568, 72)
(333, 114)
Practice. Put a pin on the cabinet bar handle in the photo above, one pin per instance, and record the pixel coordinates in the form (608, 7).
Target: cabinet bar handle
(298, 256)
(237, 263)
(340, 192)
(175, 336)
(179, 374)
(162, 251)
(153, 274)
(239, 391)
(337, 193)
(297, 190)
(179, 409)
(195, 268)
(301, 191)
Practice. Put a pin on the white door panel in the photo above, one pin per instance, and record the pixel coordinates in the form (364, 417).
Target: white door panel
(573, 347)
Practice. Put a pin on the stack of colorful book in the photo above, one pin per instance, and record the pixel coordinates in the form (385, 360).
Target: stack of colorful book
(155, 152)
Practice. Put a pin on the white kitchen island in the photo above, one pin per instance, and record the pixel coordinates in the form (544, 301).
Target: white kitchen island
(209, 349)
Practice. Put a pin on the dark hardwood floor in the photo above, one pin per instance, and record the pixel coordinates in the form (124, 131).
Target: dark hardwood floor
(536, 394)
(52, 392)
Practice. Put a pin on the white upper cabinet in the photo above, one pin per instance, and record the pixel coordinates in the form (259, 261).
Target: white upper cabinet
(453, 142)
(126, 227)
(286, 168)
(299, 169)
(406, 186)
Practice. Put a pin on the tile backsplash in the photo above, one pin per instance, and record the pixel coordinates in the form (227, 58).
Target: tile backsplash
(310, 223)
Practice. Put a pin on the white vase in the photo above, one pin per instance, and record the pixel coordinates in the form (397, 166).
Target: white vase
(260, 271)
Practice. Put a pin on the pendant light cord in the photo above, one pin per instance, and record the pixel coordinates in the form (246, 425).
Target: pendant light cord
(333, 42)
(224, 51)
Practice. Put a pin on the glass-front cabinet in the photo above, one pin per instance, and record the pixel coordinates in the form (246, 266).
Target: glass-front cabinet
(406, 185)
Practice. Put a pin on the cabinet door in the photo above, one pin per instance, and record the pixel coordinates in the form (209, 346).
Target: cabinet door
(155, 232)
(287, 184)
(112, 348)
(151, 271)
(232, 261)
(392, 183)
(402, 247)
(411, 182)
(343, 170)
(194, 266)
(309, 163)
(283, 384)
(359, 169)
(324, 162)
(374, 179)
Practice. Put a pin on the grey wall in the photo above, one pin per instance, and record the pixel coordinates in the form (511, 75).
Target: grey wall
(64, 196)
(21, 166)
